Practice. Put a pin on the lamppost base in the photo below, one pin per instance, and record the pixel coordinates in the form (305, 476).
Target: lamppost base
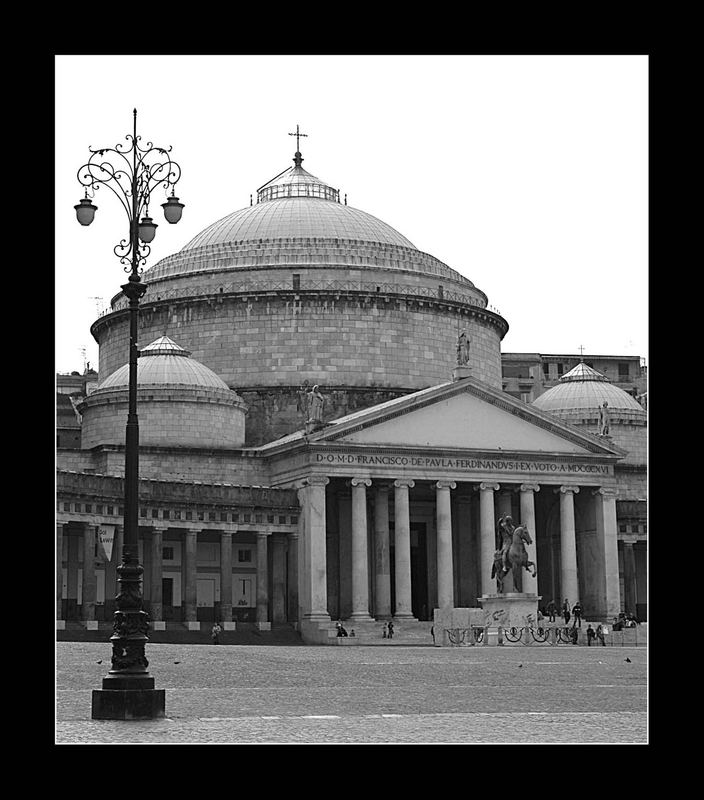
(128, 704)
(128, 696)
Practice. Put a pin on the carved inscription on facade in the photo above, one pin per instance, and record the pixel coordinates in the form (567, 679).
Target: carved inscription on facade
(461, 464)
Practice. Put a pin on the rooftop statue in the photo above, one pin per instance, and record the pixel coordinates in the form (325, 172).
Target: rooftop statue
(316, 402)
(462, 349)
(604, 419)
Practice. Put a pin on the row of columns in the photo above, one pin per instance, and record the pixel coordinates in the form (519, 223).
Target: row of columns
(189, 572)
(314, 589)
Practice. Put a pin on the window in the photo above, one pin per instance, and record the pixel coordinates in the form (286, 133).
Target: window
(177, 515)
(623, 370)
(167, 553)
(111, 510)
(257, 517)
(201, 516)
(189, 515)
(623, 528)
(155, 513)
(294, 520)
(282, 520)
(165, 514)
(223, 516)
(560, 368)
(89, 508)
(270, 518)
(247, 517)
(211, 516)
(244, 556)
(142, 512)
(67, 506)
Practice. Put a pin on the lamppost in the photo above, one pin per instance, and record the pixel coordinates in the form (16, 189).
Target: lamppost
(132, 172)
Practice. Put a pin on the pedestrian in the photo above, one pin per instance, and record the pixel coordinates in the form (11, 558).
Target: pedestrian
(385, 631)
(590, 635)
(391, 629)
(574, 635)
(551, 609)
(352, 633)
(215, 632)
(340, 630)
(432, 632)
(577, 611)
(566, 611)
(600, 634)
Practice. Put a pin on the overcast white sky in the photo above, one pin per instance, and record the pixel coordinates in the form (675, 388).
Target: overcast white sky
(527, 174)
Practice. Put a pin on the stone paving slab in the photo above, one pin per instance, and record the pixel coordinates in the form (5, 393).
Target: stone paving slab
(252, 694)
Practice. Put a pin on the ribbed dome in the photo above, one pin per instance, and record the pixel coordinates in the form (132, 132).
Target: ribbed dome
(583, 388)
(164, 363)
(298, 217)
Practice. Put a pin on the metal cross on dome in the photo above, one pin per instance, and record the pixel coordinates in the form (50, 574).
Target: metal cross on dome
(298, 134)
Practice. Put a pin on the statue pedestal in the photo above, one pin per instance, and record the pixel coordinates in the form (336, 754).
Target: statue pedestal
(510, 610)
(461, 371)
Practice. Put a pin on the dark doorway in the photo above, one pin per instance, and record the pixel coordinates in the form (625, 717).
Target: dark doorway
(419, 571)
(167, 598)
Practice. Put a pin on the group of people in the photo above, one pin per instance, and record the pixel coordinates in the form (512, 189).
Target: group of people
(624, 620)
(573, 613)
(595, 634)
(387, 632)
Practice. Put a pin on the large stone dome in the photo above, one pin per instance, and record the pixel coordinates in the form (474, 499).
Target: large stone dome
(302, 288)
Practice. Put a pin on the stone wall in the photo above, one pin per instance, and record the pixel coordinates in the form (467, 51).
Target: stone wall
(181, 418)
(370, 341)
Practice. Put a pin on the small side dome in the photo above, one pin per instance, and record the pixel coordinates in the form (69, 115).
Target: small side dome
(583, 388)
(162, 363)
(180, 403)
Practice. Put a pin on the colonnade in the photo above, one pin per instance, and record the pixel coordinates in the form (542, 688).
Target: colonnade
(314, 584)
(282, 603)
(298, 561)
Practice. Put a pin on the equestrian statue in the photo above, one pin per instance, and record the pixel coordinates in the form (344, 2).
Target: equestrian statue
(511, 553)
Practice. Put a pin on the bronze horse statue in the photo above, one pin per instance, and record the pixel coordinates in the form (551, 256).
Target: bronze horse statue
(517, 557)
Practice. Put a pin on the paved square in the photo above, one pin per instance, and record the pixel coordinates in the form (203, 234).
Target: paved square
(367, 695)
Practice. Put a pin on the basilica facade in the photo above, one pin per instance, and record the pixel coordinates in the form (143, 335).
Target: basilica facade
(324, 435)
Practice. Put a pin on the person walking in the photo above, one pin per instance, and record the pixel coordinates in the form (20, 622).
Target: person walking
(391, 629)
(551, 609)
(600, 634)
(566, 611)
(215, 632)
(590, 635)
(385, 631)
(577, 612)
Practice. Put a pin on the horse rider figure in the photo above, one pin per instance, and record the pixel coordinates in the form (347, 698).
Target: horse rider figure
(505, 537)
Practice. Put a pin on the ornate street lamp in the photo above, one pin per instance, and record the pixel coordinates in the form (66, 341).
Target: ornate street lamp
(132, 172)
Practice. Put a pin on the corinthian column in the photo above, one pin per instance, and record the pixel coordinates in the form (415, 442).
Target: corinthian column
(360, 562)
(568, 544)
(487, 533)
(528, 490)
(446, 597)
(607, 532)
(402, 549)
(315, 590)
(226, 578)
(382, 608)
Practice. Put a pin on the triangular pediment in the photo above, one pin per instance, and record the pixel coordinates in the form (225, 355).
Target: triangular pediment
(466, 415)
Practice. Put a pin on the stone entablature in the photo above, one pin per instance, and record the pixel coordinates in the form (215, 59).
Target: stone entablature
(428, 465)
(98, 499)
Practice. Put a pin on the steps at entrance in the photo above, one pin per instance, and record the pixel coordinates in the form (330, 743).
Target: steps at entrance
(370, 633)
(177, 633)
